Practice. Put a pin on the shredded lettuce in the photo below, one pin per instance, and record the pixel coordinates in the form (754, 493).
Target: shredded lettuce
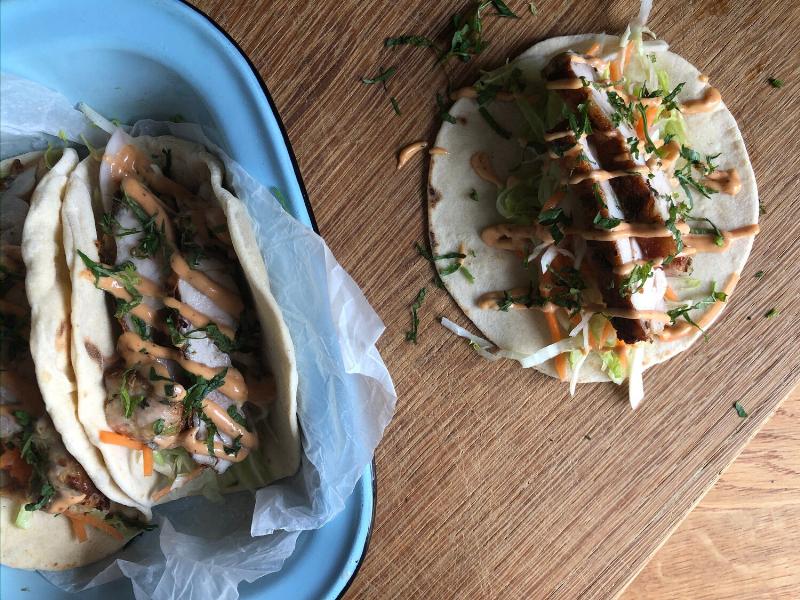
(520, 202)
(23, 520)
(536, 125)
(612, 366)
(173, 462)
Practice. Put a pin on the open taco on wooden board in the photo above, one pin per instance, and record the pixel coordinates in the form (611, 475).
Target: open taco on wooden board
(59, 506)
(616, 206)
(185, 368)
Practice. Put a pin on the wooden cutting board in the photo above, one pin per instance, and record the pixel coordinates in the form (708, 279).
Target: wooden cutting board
(492, 481)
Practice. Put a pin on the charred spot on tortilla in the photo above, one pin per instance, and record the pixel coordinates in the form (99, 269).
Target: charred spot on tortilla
(434, 195)
(93, 352)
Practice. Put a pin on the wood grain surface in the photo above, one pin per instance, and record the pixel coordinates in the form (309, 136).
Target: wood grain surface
(742, 540)
(493, 482)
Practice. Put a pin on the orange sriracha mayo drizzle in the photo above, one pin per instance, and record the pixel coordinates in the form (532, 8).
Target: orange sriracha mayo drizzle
(128, 167)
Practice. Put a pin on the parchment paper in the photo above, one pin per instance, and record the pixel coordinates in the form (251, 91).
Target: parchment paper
(346, 397)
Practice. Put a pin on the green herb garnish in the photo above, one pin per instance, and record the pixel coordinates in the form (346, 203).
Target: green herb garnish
(234, 414)
(719, 239)
(158, 426)
(411, 334)
(498, 129)
(201, 388)
(419, 41)
(758, 274)
(636, 279)
(124, 273)
(473, 194)
(740, 410)
(395, 105)
(381, 77)
(776, 83)
(771, 313)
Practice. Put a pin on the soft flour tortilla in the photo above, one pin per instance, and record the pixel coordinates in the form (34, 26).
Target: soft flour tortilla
(49, 542)
(454, 218)
(94, 336)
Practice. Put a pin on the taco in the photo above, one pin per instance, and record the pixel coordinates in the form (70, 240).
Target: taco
(616, 206)
(185, 368)
(47, 466)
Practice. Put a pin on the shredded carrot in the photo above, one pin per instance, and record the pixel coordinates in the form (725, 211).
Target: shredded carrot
(627, 56)
(593, 49)
(622, 353)
(670, 294)
(92, 521)
(110, 437)
(651, 112)
(614, 71)
(552, 323)
(78, 529)
(147, 456)
(608, 329)
(555, 336)
(11, 460)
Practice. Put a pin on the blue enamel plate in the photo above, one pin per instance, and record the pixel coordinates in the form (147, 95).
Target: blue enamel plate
(132, 59)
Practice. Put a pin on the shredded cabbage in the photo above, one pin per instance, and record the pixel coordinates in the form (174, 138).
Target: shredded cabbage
(173, 462)
(519, 202)
(576, 360)
(480, 345)
(612, 366)
(23, 520)
(635, 380)
(96, 118)
(544, 354)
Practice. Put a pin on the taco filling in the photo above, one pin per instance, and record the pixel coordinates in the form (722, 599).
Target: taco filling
(37, 473)
(189, 386)
(607, 205)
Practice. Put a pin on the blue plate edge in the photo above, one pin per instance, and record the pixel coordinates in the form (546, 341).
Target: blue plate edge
(314, 226)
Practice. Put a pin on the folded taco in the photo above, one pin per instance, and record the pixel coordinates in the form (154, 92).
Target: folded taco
(616, 205)
(47, 466)
(185, 368)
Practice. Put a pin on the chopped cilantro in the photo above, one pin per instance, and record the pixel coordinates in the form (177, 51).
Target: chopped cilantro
(776, 83)
(411, 334)
(719, 239)
(473, 194)
(201, 388)
(498, 129)
(467, 274)
(759, 274)
(381, 77)
(444, 113)
(636, 279)
(740, 410)
(771, 313)
(395, 105)
(419, 41)
(234, 414)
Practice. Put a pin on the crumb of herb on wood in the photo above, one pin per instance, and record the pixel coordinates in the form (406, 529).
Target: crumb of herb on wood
(411, 334)
(771, 313)
(759, 274)
(775, 82)
(740, 409)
